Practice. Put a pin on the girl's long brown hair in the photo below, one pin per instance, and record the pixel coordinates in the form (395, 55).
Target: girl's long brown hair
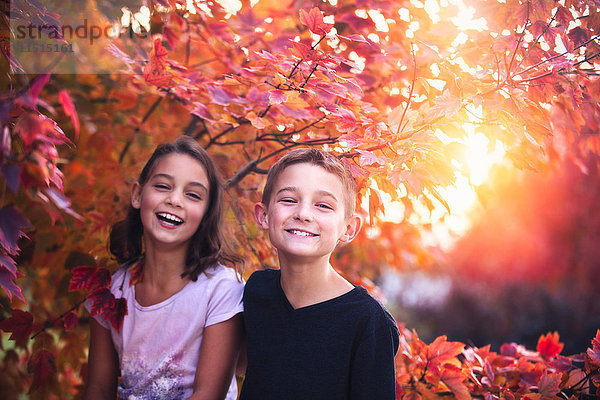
(207, 245)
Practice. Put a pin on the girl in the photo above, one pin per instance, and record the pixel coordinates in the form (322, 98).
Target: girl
(182, 332)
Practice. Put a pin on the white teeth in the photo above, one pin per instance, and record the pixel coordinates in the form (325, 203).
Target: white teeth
(301, 233)
(170, 217)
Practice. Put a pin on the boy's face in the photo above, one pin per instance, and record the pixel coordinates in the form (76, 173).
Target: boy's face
(305, 216)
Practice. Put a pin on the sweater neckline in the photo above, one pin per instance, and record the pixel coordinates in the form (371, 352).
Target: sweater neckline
(314, 306)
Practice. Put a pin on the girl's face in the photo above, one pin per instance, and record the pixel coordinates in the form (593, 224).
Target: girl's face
(172, 202)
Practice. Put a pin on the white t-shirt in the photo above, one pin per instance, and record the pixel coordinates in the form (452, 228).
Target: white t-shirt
(159, 345)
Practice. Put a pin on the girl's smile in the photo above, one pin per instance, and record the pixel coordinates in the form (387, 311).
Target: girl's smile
(173, 201)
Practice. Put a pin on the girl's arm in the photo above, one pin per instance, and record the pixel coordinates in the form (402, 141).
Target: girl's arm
(103, 365)
(218, 359)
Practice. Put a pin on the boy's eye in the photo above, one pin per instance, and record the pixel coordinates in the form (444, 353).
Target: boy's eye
(287, 200)
(325, 206)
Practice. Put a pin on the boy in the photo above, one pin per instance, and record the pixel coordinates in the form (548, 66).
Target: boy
(310, 333)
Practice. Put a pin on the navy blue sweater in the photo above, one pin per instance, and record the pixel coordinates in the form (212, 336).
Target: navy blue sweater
(342, 348)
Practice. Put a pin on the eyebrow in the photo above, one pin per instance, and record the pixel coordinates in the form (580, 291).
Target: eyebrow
(294, 189)
(170, 177)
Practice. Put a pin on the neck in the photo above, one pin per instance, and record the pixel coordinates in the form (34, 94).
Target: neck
(161, 267)
(311, 283)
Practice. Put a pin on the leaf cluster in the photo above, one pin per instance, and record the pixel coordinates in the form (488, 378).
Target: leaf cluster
(379, 84)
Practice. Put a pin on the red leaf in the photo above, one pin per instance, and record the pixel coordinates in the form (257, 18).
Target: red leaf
(548, 346)
(20, 325)
(43, 365)
(88, 278)
(201, 111)
(61, 202)
(303, 51)
(157, 75)
(314, 21)
(65, 100)
(563, 16)
(102, 278)
(594, 352)
(102, 301)
(549, 385)
(159, 53)
(11, 225)
(116, 313)
(277, 96)
(561, 364)
(155, 72)
(169, 35)
(81, 279)
(37, 85)
(346, 120)
(70, 320)
(578, 36)
(221, 96)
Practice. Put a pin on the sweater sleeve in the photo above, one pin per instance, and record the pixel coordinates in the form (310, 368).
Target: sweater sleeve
(372, 369)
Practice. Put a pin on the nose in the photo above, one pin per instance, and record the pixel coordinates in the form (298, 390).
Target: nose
(304, 211)
(174, 199)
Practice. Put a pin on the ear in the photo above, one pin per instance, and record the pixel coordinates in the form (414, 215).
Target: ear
(260, 214)
(353, 225)
(136, 195)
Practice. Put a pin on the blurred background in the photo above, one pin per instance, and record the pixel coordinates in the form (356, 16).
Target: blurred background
(519, 258)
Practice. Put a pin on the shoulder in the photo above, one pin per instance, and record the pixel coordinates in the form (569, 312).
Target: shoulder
(120, 280)
(371, 312)
(265, 275)
(219, 276)
(262, 284)
(219, 271)
(263, 279)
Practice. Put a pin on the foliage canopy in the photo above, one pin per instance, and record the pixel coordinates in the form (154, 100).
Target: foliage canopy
(389, 86)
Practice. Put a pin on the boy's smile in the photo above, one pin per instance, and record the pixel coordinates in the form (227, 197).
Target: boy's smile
(306, 214)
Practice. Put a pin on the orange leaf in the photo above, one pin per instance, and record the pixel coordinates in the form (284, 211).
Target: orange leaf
(441, 351)
(548, 346)
(454, 379)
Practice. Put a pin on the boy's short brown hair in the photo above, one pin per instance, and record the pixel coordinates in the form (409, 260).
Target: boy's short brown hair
(320, 158)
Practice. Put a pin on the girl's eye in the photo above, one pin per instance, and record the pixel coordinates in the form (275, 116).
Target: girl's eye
(194, 196)
(161, 186)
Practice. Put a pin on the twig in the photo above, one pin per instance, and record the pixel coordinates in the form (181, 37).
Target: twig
(49, 324)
